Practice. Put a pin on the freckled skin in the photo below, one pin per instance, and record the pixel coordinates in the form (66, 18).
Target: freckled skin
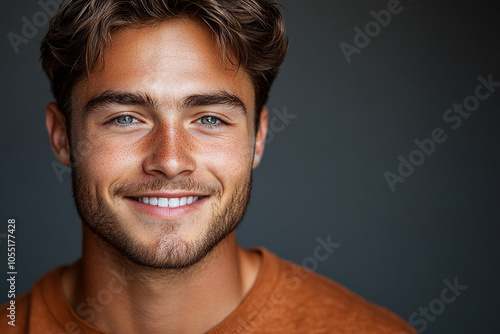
(168, 66)
(168, 61)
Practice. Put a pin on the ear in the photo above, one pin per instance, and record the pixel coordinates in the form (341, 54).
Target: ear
(260, 138)
(58, 134)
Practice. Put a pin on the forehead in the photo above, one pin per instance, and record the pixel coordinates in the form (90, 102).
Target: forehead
(167, 60)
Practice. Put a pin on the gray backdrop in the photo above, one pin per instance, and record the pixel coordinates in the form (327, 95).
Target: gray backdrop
(339, 127)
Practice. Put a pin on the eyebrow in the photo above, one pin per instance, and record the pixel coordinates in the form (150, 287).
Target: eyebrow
(219, 98)
(110, 97)
(145, 100)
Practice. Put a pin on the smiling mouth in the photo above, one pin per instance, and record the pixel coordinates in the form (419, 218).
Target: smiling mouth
(174, 202)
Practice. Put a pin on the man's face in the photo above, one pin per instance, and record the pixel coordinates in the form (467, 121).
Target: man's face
(163, 144)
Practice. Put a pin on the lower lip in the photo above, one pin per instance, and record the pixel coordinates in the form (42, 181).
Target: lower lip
(166, 213)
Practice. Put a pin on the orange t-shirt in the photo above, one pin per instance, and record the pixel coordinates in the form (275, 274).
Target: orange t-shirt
(285, 298)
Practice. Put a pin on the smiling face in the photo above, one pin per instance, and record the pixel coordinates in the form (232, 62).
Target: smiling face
(163, 144)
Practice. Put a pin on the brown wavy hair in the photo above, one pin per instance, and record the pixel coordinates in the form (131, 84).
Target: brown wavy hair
(249, 33)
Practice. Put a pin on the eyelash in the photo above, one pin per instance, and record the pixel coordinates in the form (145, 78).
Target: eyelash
(218, 124)
(114, 121)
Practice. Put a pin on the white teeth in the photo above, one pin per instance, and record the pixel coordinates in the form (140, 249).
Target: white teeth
(168, 202)
(173, 202)
(163, 202)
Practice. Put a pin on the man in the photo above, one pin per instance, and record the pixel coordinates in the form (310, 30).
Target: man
(160, 114)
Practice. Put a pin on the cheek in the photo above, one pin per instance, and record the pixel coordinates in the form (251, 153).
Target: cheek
(104, 159)
(229, 160)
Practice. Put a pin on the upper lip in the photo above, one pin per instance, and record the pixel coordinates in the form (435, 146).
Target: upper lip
(170, 194)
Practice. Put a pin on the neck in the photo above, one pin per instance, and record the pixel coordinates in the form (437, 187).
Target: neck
(118, 296)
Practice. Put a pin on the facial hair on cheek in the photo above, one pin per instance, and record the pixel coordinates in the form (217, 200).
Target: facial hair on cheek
(168, 251)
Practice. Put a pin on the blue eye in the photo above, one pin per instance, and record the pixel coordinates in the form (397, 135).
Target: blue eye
(125, 120)
(209, 120)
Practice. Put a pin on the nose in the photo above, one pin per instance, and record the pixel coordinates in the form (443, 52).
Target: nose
(169, 152)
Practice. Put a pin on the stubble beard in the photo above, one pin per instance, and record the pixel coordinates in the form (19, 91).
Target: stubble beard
(168, 251)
